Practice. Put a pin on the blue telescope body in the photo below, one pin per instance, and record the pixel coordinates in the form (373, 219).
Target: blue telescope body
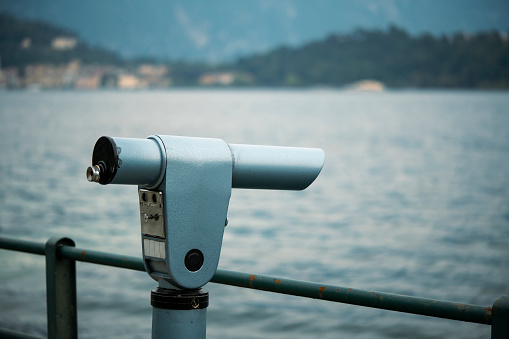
(184, 190)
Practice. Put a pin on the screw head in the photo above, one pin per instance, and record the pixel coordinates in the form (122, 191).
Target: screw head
(195, 303)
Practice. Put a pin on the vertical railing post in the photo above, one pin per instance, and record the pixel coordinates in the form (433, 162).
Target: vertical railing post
(500, 318)
(60, 291)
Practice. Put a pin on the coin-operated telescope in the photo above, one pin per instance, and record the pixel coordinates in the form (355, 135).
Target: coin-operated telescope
(184, 187)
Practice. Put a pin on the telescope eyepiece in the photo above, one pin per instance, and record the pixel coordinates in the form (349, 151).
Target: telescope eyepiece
(93, 173)
(105, 161)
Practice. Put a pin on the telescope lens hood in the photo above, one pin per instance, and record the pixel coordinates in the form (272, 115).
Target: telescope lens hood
(105, 156)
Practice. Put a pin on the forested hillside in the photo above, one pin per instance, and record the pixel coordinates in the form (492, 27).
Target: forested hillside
(392, 57)
(31, 42)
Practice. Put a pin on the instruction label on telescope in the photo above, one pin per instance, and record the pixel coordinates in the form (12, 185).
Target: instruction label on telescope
(154, 249)
(151, 213)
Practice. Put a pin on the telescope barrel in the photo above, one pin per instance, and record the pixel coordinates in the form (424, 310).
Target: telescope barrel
(274, 167)
(143, 162)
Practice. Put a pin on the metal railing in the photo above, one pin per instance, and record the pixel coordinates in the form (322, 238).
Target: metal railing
(61, 256)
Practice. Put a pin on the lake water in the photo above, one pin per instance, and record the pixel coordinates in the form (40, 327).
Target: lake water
(413, 199)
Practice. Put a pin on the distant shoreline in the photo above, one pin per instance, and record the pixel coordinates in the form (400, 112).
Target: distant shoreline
(58, 58)
(252, 88)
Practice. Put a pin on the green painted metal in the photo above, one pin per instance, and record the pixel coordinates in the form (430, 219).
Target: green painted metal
(388, 301)
(61, 291)
(103, 258)
(22, 245)
(382, 300)
(8, 334)
(500, 326)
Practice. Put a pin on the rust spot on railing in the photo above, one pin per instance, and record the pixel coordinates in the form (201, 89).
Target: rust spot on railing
(460, 307)
(252, 277)
(278, 281)
(320, 291)
(83, 253)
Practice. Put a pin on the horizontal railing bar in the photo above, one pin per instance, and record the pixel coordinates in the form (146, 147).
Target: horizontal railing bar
(103, 258)
(8, 334)
(22, 245)
(388, 301)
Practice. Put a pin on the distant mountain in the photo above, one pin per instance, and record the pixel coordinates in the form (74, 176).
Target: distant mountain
(222, 30)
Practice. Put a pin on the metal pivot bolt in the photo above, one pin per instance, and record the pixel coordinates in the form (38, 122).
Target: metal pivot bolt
(194, 260)
(179, 299)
